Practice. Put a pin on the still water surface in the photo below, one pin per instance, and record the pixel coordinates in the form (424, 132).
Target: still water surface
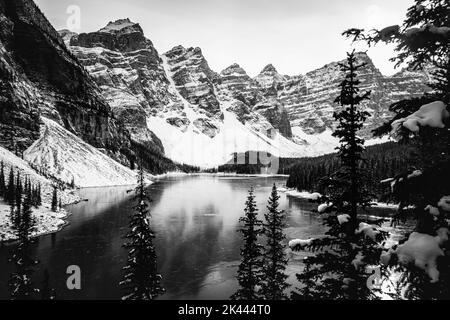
(195, 219)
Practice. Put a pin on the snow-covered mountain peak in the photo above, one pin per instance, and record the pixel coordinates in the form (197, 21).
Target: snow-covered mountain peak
(269, 69)
(121, 25)
(235, 69)
(269, 77)
(120, 35)
(67, 35)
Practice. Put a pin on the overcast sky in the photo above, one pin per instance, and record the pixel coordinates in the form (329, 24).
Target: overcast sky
(296, 36)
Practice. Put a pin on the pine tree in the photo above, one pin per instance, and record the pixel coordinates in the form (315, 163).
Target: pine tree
(2, 181)
(20, 284)
(338, 269)
(250, 270)
(17, 216)
(141, 279)
(11, 192)
(55, 200)
(275, 261)
(34, 196)
(39, 197)
(422, 41)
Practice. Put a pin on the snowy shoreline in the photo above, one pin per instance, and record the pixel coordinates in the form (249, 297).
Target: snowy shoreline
(47, 222)
(315, 196)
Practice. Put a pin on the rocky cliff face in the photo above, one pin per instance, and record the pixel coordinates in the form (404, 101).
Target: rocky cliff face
(48, 80)
(177, 98)
(309, 98)
(127, 68)
(193, 80)
(175, 94)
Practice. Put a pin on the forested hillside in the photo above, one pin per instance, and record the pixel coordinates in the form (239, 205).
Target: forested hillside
(381, 161)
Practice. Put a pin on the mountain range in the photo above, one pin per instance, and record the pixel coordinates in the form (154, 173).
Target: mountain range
(113, 90)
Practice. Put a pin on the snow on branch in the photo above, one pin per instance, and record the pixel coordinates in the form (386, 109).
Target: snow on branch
(431, 115)
(299, 244)
(369, 230)
(343, 218)
(421, 250)
(444, 203)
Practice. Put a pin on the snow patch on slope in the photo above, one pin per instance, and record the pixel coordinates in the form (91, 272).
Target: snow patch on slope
(67, 157)
(190, 146)
(320, 144)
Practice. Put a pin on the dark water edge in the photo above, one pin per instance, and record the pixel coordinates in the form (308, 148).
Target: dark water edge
(195, 219)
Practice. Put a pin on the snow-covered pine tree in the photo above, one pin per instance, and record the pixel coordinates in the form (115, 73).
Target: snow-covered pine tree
(274, 258)
(20, 283)
(249, 273)
(422, 41)
(2, 181)
(338, 268)
(17, 215)
(141, 279)
(55, 200)
(39, 197)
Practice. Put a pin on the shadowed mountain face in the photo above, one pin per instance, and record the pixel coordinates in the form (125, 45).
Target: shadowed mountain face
(48, 80)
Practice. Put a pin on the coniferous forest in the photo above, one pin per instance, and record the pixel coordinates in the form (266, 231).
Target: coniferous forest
(380, 162)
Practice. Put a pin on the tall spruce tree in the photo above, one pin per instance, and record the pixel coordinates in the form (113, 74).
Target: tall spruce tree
(249, 273)
(338, 268)
(2, 181)
(16, 208)
(39, 196)
(141, 279)
(11, 192)
(18, 192)
(20, 283)
(274, 283)
(55, 200)
(422, 42)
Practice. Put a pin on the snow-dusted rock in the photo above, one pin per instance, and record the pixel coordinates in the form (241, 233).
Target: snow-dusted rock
(67, 157)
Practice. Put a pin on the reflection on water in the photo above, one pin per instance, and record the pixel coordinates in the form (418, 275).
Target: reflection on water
(195, 219)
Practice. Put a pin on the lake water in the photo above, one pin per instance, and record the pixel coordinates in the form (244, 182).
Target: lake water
(195, 219)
